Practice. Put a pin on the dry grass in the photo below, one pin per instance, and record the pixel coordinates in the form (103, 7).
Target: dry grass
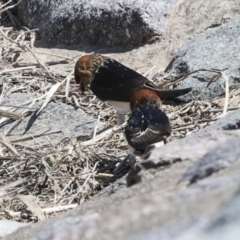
(36, 183)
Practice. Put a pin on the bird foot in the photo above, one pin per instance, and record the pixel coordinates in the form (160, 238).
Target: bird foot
(131, 161)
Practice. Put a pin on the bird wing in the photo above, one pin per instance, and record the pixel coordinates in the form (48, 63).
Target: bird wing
(154, 133)
(116, 82)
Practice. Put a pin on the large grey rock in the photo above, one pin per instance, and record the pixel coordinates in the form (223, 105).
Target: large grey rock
(217, 48)
(192, 17)
(105, 22)
(158, 205)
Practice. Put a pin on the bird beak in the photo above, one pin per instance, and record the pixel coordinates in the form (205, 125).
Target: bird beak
(85, 79)
(82, 87)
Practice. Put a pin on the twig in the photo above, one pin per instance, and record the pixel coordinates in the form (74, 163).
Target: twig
(103, 135)
(54, 55)
(50, 63)
(49, 95)
(9, 7)
(105, 175)
(12, 115)
(76, 101)
(8, 145)
(220, 110)
(96, 126)
(85, 182)
(17, 69)
(33, 137)
(23, 45)
(51, 92)
(147, 72)
(226, 93)
(67, 79)
(59, 208)
(65, 188)
(45, 210)
(16, 106)
(42, 64)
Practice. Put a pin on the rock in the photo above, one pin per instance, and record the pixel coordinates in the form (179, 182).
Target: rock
(184, 20)
(104, 22)
(230, 122)
(217, 158)
(204, 227)
(59, 229)
(60, 119)
(206, 186)
(171, 232)
(112, 188)
(220, 152)
(225, 224)
(8, 227)
(220, 156)
(192, 17)
(217, 48)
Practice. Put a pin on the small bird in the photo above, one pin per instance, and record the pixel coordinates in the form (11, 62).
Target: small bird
(147, 124)
(115, 83)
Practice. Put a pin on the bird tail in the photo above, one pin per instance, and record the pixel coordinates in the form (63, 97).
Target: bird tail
(170, 94)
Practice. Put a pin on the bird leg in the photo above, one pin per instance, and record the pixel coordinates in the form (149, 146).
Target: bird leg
(131, 159)
(120, 167)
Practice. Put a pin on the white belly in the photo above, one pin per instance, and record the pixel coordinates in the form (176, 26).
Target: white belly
(121, 107)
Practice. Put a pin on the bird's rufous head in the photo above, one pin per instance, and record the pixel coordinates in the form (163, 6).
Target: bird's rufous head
(145, 96)
(85, 69)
